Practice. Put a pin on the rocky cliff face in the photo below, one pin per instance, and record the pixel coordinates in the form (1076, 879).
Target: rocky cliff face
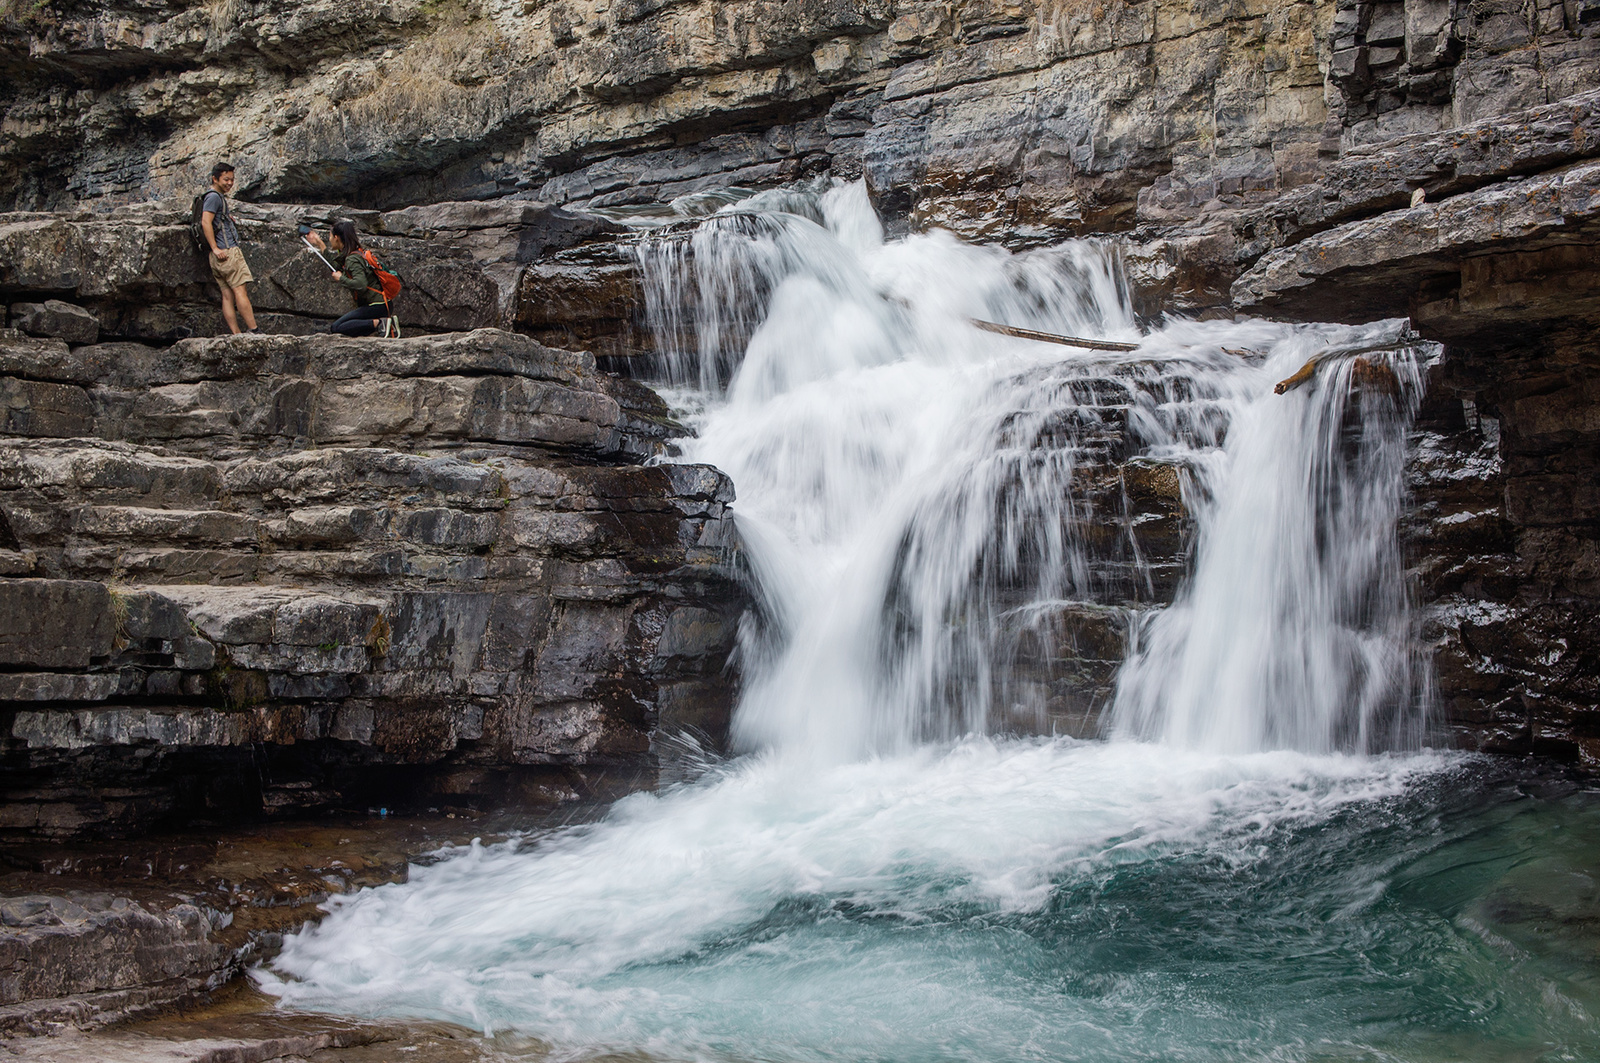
(259, 575)
(1028, 119)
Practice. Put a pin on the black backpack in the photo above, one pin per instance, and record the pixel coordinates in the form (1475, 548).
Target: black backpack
(195, 229)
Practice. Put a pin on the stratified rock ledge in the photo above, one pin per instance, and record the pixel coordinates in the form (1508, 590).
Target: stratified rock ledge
(257, 575)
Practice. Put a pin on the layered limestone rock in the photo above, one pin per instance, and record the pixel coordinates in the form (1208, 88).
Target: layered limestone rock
(79, 958)
(136, 273)
(1020, 120)
(260, 574)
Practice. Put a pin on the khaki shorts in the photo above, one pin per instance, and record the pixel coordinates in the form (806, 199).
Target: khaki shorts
(232, 273)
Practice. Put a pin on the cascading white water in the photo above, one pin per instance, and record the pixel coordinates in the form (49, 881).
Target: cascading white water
(1294, 630)
(882, 880)
(900, 508)
(910, 487)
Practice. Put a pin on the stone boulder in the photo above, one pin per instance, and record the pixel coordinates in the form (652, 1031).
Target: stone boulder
(76, 957)
(54, 318)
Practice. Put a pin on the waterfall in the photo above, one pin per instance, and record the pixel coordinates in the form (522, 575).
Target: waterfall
(906, 865)
(1294, 631)
(920, 497)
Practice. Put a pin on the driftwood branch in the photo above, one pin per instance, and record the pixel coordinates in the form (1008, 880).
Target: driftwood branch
(1382, 375)
(1050, 337)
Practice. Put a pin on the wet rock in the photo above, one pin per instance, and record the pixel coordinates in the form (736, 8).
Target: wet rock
(1063, 671)
(106, 933)
(63, 946)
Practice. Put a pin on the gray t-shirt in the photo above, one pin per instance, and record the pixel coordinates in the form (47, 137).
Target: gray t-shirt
(222, 224)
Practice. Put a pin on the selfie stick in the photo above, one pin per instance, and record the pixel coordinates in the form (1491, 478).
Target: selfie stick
(309, 247)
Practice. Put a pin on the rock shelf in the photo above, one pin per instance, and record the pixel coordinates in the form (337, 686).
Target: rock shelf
(269, 574)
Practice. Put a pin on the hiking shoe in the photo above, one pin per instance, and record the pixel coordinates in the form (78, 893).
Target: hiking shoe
(256, 332)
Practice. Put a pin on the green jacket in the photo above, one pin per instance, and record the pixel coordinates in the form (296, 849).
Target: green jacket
(357, 276)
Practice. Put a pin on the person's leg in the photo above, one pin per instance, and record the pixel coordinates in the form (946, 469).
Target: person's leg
(241, 299)
(228, 313)
(362, 321)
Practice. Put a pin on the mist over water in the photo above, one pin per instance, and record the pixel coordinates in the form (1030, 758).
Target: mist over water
(1257, 865)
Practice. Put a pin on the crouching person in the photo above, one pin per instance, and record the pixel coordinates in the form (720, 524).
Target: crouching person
(356, 269)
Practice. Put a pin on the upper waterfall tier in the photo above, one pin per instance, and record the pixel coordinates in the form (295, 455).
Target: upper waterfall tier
(939, 516)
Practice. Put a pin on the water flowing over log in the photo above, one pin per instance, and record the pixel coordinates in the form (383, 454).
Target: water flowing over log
(1366, 371)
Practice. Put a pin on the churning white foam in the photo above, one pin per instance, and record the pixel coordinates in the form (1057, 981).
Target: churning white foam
(613, 935)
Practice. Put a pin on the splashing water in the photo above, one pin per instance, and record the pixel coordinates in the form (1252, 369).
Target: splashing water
(920, 494)
(1294, 632)
(877, 879)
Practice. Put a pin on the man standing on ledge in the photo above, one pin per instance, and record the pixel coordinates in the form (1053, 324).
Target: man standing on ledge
(227, 257)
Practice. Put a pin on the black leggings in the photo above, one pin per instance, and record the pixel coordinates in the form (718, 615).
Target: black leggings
(362, 321)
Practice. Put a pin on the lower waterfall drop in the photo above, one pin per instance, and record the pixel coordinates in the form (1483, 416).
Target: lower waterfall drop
(1260, 863)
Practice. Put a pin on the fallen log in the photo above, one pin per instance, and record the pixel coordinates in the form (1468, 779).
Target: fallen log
(1366, 372)
(1051, 337)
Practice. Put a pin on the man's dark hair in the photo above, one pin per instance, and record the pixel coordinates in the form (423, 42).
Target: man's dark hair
(346, 232)
(221, 168)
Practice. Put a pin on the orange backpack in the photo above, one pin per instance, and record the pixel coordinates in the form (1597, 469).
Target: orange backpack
(388, 283)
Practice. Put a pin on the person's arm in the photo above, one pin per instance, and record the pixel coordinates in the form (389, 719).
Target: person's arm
(208, 225)
(354, 276)
(317, 244)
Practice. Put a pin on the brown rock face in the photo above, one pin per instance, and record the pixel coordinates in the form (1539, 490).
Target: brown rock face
(1022, 121)
(405, 571)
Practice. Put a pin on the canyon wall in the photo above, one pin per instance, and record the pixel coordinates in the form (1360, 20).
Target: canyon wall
(1334, 159)
(1013, 119)
(260, 575)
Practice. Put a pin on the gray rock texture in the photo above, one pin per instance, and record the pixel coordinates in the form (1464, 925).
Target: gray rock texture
(1022, 120)
(137, 274)
(403, 570)
(76, 957)
(52, 317)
